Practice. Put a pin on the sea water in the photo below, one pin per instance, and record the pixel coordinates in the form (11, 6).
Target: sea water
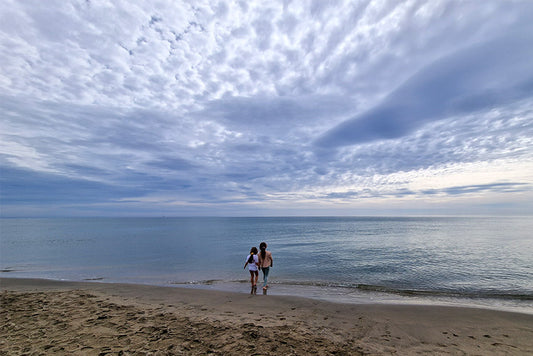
(478, 261)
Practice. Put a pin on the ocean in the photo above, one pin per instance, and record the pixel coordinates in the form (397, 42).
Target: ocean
(474, 261)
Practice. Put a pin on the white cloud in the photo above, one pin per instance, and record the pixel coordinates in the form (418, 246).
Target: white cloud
(211, 103)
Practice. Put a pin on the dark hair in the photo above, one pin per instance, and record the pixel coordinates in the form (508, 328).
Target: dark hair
(263, 247)
(253, 251)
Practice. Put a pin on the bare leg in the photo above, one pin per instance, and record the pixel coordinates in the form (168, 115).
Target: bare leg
(252, 282)
(255, 275)
(265, 277)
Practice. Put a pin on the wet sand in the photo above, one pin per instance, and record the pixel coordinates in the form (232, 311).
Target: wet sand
(41, 317)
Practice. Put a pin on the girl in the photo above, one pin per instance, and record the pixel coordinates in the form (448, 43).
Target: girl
(252, 261)
(265, 262)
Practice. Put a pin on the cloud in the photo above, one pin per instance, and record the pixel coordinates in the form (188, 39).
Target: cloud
(478, 188)
(482, 77)
(172, 163)
(275, 113)
(244, 106)
(24, 186)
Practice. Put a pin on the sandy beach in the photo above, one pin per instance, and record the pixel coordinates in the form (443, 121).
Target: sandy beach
(41, 317)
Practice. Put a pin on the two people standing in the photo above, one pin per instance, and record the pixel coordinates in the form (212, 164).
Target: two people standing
(255, 262)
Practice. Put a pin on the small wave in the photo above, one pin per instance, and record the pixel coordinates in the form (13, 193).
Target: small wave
(202, 282)
(475, 294)
(381, 289)
(446, 293)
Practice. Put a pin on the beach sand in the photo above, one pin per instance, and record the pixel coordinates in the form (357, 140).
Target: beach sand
(41, 317)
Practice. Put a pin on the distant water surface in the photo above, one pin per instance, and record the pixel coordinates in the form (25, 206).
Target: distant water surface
(481, 260)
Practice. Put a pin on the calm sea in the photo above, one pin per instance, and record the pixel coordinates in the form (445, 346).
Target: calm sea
(477, 261)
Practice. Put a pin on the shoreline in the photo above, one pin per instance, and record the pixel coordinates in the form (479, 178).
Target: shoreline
(334, 294)
(343, 295)
(74, 317)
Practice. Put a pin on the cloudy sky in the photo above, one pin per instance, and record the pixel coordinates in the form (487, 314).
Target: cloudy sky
(169, 108)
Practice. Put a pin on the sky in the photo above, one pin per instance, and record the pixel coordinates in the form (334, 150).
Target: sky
(266, 108)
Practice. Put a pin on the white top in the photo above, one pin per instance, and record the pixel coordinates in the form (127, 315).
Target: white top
(252, 266)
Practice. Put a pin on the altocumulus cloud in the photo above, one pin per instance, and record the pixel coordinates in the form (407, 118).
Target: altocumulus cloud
(265, 108)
